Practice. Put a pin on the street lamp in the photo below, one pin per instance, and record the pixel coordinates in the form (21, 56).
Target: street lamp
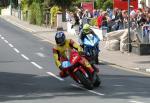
(129, 37)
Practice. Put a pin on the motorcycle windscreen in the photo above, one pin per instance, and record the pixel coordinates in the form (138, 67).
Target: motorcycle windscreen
(90, 40)
(66, 64)
(96, 40)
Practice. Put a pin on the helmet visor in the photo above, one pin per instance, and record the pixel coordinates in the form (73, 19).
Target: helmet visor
(61, 43)
(86, 30)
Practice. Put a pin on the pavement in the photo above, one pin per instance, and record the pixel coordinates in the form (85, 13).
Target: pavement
(113, 58)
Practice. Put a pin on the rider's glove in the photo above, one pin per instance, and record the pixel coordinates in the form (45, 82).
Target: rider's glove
(81, 53)
(81, 45)
(60, 67)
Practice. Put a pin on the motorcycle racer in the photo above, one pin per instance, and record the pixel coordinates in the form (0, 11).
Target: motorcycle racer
(86, 30)
(62, 44)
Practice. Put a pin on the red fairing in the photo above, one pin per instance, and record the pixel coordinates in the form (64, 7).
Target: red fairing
(74, 57)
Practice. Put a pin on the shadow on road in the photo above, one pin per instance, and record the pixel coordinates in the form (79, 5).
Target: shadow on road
(125, 86)
(15, 86)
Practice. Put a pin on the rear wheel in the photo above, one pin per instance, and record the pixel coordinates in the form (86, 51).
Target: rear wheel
(84, 80)
(96, 60)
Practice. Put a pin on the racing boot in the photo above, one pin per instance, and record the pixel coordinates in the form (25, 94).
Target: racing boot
(95, 68)
(63, 74)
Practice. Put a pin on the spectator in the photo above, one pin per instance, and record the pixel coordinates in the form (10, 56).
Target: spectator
(109, 12)
(86, 15)
(68, 17)
(125, 18)
(95, 14)
(132, 12)
(116, 19)
(102, 22)
(148, 19)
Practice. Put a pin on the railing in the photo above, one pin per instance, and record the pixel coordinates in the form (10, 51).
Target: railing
(145, 34)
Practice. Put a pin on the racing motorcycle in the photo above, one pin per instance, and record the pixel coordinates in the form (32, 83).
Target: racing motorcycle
(91, 47)
(79, 73)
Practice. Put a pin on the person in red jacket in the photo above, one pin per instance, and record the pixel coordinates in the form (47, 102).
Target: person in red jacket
(99, 21)
(102, 19)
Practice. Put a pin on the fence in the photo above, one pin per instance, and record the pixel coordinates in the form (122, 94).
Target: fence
(146, 34)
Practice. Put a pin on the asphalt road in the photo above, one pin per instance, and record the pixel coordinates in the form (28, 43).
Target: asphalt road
(28, 75)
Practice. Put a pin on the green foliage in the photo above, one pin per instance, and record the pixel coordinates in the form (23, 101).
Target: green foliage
(0, 10)
(87, 0)
(104, 4)
(47, 3)
(72, 8)
(107, 4)
(32, 16)
(143, 1)
(93, 22)
(15, 3)
(35, 9)
(24, 5)
(99, 4)
(36, 14)
(64, 4)
(54, 10)
(39, 14)
(77, 3)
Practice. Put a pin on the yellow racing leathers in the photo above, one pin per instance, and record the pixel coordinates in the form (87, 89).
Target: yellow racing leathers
(59, 54)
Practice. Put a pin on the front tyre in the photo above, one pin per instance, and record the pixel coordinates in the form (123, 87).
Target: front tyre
(97, 81)
(84, 80)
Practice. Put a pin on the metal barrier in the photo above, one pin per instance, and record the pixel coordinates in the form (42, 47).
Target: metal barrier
(146, 34)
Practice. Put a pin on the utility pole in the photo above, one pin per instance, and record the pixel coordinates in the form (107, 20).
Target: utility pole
(19, 9)
(129, 37)
(10, 7)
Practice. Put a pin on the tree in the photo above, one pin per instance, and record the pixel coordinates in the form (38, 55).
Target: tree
(63, 4)
(107, 4)
(77, 3)
(104, 4)
(99, 4)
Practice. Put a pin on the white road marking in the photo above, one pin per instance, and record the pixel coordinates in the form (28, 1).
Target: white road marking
(11, 45)
(6, 41)
(45, 40)
(0, 35)
(117, 85)
(16, 50)
(40, 54)
(25, 57)
(55, 76)
(133, 101)
(2, 38)
(35, 64)
(100, 94)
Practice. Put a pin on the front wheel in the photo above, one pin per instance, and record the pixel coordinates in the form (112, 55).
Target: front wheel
(84, 80)
(97, 81)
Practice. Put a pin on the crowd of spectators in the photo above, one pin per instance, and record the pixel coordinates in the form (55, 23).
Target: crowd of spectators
(113, 20)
